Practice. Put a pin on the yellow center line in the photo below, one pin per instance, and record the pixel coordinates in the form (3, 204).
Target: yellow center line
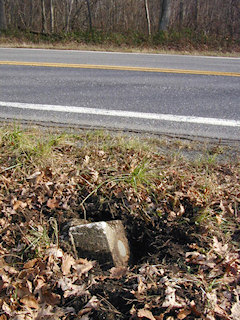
(120, 68)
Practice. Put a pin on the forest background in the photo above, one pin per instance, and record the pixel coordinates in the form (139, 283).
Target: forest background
(173, 24)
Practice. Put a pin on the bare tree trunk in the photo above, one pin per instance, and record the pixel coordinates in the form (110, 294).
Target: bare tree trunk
(89, 15)
(181, 14)
(147, 17)
(196, 14)
(30, 21)
(52, 21)
(230, 18)
(44, 20)
(69, 12)
(3, 22)
(165, 15)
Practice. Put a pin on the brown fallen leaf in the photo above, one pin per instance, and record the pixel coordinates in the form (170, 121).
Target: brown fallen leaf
(39, 282)
(183, 313)
(181, 212)
(48, 172)
(151, 271)
(194, 309)
(50, 298)
(6, 308)
(76, 291)
(36, 177)
(161, 317)
(235, 311)
(226, 208)
(133, 312)
(118, 272)
(45, 313)
(236, 308)
(4, 223)
(93, 303)
(86, 160)
(84, 311)
(30, 302)
(19, 204)
(53, 203)
(30, 263)
(141, 286)
(219, 248)
(55, 252)
(85, 317)
(220, 312)
(67, 262)
(10, 270)
(5, 281)
(218, 219)
(2, 262)
(95, 174)
(198, 258)
(140, 290)
(170, 299)
(144, 313)
(23, 289)
(71, 289)
(82, 266)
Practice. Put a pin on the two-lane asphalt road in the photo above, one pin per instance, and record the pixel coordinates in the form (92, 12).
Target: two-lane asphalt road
(185, 95)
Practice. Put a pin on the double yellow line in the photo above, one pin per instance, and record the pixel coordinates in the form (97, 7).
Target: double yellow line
(120, 68)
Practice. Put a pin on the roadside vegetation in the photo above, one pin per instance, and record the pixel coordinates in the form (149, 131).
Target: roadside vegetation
(185, 41)
(179, 201)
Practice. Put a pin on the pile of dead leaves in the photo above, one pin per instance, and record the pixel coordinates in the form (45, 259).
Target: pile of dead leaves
(181, 218)
(44, 287)
(61, 287)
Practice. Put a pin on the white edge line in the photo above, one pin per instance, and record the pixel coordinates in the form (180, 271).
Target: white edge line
(125, 114)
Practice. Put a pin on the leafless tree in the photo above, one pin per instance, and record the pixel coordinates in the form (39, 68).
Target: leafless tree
(3, 23)
(216, 17)
(44, 19)
(52, 18)
(147, 16)
(69, 8)
(165, 15)
(89, 15)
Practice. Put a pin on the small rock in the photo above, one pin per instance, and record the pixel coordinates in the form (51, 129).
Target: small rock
(103, 241)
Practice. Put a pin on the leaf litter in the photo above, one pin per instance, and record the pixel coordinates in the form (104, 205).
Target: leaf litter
(181, 217)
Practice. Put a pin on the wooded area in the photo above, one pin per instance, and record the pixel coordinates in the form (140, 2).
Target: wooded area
(218, 17)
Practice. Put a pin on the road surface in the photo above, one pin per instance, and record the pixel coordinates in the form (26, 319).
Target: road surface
(172, 94)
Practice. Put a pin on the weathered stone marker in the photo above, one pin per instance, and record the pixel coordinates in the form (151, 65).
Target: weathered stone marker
(103, 241)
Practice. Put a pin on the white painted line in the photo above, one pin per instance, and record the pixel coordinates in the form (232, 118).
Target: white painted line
(124, 114)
